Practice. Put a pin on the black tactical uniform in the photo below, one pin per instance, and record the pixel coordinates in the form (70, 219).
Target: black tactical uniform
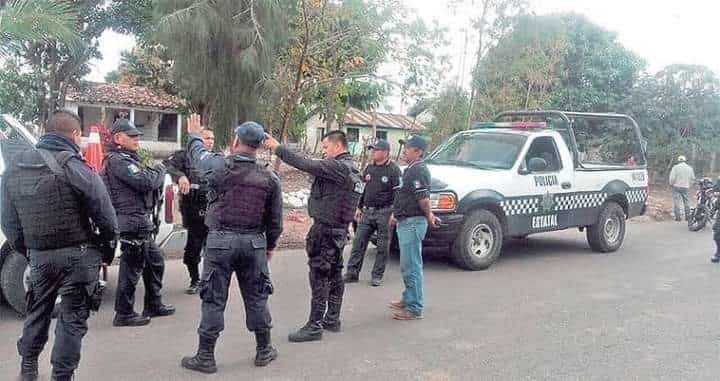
(716, 229)
(376, 205)
(192, 207)
(135, 190)
(55, 209)
(245, 221)
(334, 196)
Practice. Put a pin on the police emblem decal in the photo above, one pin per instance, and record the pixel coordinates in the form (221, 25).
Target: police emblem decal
(133, 169)
(547, 203)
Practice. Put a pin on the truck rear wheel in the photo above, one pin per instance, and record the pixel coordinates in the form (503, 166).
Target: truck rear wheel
(479, 242)
(608, 233)
(12, 281)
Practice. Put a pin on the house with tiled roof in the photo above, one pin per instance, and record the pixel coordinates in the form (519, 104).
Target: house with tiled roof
(363, 128)
(157, 114)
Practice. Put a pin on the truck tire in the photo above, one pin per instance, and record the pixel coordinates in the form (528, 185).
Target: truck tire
(4, 253)
(479, 242)
(608, 233)
(12, 281)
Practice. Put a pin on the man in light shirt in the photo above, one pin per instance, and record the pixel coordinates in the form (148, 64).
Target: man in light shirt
(681, 177)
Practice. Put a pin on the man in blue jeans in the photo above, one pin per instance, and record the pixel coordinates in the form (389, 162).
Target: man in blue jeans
(411, 217)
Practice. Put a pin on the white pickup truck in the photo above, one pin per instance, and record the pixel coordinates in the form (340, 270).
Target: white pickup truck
(14, 269)
(534, 172)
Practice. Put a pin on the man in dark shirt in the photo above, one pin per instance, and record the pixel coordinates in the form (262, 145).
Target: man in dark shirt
(411, 216)
(244, 217)
(373, 213)
(52, 201)
(193, 202)
(334, 196)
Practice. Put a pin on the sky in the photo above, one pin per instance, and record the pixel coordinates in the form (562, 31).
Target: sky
(663, 32)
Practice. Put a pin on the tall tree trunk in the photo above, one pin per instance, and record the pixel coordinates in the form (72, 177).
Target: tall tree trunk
(478, 60)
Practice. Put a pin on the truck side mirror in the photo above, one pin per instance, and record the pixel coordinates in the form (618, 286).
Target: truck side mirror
(537, 164)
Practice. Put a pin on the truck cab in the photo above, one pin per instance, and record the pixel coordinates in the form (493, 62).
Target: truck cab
(524, 174)
(14, 270)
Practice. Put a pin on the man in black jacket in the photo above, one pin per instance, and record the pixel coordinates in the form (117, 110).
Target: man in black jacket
(57, 212)
(193, 202)
(334, 196)
(134, 189)
(245, 221)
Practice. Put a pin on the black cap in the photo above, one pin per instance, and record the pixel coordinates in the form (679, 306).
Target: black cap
(251, 134)
(415, 141)
(126, 126)
(380, 145)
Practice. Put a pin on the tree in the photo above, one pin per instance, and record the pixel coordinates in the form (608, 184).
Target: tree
(147, 66)
(16, 87)
(23, 21)
(221, 52)
(449, 111)
(678, 110)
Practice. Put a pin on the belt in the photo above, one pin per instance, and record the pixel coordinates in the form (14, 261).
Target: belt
(240, 230)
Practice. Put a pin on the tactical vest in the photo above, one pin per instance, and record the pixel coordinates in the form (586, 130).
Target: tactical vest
(334, 204)
(134, 209)
(237, 197)
(50, 212)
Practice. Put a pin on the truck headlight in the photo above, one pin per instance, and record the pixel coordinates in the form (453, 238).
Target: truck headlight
(444, 201)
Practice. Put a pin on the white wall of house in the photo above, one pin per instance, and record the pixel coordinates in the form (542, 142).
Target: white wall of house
(315, 128)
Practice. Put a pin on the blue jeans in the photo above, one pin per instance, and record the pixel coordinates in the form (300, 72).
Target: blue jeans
(411, 232)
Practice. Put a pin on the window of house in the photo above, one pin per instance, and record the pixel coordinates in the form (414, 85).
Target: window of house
(381, 135)
(353, 135)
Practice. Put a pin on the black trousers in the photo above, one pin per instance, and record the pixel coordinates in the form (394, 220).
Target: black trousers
(140, 257)
(324, 245)
(72, 273)
(716, 236)
(372, 221)
(194, 222)
(246, 256)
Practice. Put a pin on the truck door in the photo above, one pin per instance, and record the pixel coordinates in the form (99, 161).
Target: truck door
(545, 175)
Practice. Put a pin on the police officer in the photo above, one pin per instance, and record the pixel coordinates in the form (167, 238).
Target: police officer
(193, 202)
(334, 196)
(245, 221)
(716, 228)
(57, 212)
(134, 189)
(373, 213)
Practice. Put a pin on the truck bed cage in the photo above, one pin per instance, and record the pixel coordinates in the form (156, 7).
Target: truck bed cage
(569, 118)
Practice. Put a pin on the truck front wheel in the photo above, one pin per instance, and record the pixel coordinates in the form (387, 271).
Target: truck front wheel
(12, 281)
(479, 242)
(608, 233)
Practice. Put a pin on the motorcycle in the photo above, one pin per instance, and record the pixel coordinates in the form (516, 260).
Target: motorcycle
(706, 205)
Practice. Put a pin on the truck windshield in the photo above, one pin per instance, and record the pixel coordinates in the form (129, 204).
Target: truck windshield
(480, 150)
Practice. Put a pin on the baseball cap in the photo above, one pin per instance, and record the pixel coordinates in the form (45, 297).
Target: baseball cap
(682, 158)
(380, 145)
(415, 141)
(126, 126)
(251, 133)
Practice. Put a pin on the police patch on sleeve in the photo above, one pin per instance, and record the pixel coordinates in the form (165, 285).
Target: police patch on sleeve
(133, 169)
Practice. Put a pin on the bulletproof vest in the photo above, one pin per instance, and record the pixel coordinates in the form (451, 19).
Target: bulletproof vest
(332, 203)
(134, 209)
(237, 196)
(196, 176)
(50, 212)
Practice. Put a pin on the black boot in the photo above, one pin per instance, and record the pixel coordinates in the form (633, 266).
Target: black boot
(204, 360)
(131, 320)
(159, 311)
(312, 331)
(28, 369)
(265, 351)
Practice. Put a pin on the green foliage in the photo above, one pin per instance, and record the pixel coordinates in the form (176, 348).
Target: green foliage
(16, 87)
(221, 51)
(146, 157)
(450, 111)
(148, 66)
(23, 21)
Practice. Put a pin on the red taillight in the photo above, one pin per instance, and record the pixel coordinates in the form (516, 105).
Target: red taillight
(169, 201)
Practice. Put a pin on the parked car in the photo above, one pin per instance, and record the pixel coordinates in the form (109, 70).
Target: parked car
(524, 174)
(14, 270)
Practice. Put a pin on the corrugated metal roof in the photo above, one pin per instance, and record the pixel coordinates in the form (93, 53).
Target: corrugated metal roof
(361, 118)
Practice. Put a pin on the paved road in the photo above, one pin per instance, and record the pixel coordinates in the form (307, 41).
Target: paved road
(548, 310)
